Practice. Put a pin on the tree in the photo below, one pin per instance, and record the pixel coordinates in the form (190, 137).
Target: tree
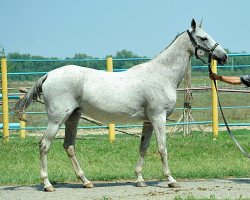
(123, 64)
(81, 56)
(125, 54)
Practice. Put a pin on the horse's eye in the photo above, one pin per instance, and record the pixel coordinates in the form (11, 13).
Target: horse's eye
(203, 39)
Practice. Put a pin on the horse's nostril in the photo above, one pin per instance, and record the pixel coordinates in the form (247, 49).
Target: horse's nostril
(225, 57)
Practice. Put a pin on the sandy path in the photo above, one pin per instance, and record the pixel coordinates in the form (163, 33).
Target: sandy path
(220, 189)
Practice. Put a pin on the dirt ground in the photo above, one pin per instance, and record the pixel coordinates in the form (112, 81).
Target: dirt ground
(217, 188)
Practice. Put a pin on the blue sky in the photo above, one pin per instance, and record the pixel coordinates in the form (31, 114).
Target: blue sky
(98, 28)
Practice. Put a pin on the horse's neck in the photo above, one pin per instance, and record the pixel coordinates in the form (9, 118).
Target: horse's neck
(174, 61)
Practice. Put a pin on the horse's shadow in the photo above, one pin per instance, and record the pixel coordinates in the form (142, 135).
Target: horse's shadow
(108, 184)
(161, 184)
(79, 185)
(241, 180)
(36, 187)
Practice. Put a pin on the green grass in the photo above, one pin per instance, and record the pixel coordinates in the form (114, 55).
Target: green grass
(191, 157)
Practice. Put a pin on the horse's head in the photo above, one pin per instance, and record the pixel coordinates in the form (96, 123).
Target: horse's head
(205, 45)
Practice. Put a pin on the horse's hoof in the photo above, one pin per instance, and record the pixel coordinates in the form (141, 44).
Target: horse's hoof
(141, 184)
(88, 185)
(174, 185)
(49, 189)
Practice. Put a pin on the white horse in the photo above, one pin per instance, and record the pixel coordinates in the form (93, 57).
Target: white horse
(145, 93)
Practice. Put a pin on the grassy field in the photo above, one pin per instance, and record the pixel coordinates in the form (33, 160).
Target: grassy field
(191, 157)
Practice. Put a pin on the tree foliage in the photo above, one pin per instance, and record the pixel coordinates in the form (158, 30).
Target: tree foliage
(18, 62)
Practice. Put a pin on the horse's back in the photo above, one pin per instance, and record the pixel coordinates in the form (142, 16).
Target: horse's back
(63, 86)
(101, 95)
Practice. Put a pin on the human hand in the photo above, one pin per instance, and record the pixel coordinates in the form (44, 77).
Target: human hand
(213, 76)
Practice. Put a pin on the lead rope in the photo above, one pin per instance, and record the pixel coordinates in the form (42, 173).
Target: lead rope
(223, 116)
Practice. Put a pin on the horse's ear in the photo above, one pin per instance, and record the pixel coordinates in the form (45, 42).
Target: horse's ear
(201, 23)
(193, 24)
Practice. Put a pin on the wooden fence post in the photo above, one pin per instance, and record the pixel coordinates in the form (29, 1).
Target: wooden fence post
(5, 106)
(22, 124)
(109, 62)
(214, 103)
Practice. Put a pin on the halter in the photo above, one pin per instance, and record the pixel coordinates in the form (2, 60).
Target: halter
(197, 47)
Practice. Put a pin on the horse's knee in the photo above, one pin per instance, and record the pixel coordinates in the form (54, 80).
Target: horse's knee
(138, 169)
(43, 147)
(42, 144)
(70, 150)
(162, 151)
(143, 152)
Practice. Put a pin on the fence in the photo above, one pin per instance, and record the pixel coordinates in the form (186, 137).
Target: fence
(19, 126)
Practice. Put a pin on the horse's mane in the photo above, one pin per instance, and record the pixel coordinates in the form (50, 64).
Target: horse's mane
(177, 36)
(140, 65)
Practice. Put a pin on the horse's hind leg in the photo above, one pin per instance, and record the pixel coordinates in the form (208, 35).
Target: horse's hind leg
(145, 140)
(69, 146)
(56, 119)
(44, 145)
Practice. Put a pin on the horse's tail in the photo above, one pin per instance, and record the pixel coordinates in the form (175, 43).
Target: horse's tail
(34, 93)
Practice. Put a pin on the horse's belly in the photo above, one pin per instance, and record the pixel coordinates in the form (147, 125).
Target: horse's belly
(113, 115)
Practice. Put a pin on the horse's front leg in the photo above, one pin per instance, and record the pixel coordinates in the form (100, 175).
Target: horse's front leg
(158, 122)
(145, 140)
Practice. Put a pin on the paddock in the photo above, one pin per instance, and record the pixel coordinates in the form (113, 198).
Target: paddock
(154, 192)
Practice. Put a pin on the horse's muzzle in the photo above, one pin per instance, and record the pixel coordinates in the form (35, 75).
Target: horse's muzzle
(221, 60)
